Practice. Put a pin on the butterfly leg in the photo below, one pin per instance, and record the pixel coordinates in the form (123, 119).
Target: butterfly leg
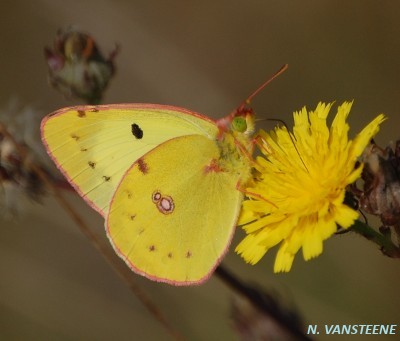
(247, 153)
(252, 194)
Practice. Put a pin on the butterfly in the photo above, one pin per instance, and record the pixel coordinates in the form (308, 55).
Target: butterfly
(166, 180)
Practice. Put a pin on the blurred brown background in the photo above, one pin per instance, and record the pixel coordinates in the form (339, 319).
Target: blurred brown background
(206, 56)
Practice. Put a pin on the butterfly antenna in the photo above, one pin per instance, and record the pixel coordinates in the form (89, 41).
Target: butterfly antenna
(224, 122)
(278, 73)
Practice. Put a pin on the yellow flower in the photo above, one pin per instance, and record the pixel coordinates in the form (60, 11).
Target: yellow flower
(296, 196)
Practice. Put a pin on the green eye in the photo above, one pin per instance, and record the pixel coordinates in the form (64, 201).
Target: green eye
(239, 124)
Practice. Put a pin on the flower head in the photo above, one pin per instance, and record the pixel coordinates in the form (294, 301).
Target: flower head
(297, 195)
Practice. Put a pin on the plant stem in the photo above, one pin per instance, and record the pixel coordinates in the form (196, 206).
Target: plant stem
(383, 241)
(123, 271)
(264, 302)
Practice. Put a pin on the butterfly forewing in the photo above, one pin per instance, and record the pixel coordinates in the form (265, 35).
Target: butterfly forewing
(95, 146)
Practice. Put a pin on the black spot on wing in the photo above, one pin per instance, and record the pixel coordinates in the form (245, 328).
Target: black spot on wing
(136, 131)
(106, 178)
(92, 164)
(81, 113)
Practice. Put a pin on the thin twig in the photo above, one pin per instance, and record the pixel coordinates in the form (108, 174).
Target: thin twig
(263, 302)
(123, 272)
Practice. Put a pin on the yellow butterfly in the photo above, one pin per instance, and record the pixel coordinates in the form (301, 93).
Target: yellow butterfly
(165, 179)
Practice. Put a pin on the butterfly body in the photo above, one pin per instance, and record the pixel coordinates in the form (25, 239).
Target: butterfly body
(164, 178)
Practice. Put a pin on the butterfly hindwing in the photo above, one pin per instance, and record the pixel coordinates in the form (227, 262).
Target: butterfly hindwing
(174, 212)
(95, 146)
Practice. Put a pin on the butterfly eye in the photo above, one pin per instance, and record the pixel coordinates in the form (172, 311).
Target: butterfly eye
(239, 124)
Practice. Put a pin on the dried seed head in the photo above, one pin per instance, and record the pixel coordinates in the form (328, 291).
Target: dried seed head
(20, 150)
(76, 66)
(380, 194)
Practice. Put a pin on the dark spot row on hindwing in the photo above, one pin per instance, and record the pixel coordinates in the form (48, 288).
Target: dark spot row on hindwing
(81, 113)
(92, 164)
(170, 254)
(106, 178)
(75, 137)
(136, 131)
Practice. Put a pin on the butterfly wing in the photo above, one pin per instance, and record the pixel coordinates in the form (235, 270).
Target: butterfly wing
(94, 146)
(173, 214)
